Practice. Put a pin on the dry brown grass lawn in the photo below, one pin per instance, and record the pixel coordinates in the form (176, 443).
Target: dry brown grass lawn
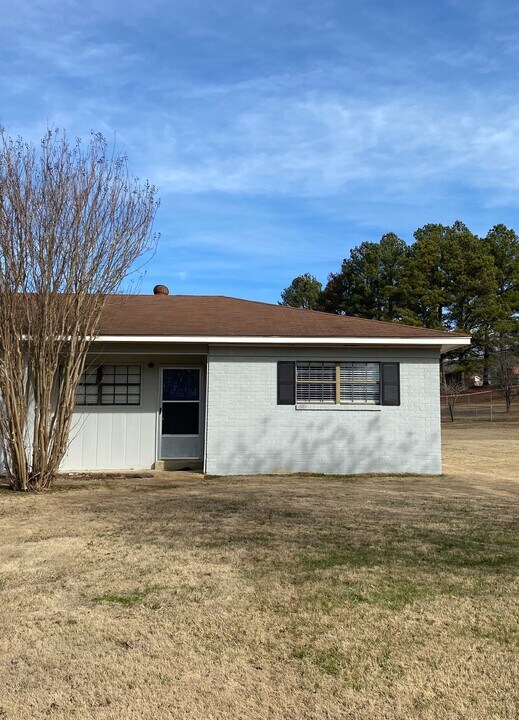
(282, 598)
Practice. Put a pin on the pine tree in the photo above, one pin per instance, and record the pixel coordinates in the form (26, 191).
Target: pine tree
(369, 282)
(503, 327)
(423, 295)
(303, 292)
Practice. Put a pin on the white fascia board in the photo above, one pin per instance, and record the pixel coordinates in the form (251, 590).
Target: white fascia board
(445, 343)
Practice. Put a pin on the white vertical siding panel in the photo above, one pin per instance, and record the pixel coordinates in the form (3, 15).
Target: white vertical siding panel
(104, 440)
(118, 439)
(76, 440)
(87, 434)
(147, 439)
(132, 453)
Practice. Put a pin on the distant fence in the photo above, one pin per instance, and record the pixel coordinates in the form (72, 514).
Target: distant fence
(480, 405)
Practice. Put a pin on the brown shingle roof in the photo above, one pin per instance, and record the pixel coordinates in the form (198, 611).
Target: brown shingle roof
(215, 315)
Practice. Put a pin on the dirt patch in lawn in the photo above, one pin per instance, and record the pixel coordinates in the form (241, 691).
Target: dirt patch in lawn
(266, 597)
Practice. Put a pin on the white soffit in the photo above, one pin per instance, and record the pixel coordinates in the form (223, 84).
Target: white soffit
(444, 343)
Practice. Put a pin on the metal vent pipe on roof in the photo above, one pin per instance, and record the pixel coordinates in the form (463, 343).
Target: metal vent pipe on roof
(160, 290)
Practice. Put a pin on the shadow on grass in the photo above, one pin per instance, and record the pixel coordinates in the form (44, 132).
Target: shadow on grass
(385, 550)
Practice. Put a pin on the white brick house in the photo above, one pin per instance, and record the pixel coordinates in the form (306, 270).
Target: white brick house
(238, 387)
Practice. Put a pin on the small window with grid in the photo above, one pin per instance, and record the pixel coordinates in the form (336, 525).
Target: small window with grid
(338, 382)
(110, 385)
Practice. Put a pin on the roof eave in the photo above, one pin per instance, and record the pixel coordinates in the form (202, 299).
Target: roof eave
(455, 345)
(445, 344)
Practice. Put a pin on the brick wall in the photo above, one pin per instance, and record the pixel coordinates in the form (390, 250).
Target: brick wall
(247, 432)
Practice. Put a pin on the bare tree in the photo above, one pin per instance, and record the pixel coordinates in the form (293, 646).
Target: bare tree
(503, 370)
(452, 389)
(73, 223)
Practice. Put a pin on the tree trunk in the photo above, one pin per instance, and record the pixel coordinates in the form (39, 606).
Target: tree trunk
(451, 412)
(486, 366)
(442, 371)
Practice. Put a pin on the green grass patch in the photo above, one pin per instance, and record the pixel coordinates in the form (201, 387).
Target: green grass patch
(497, 630)
(127, 600)
(391, 594)
(485, 547)
(328, 662)
(386, 593)
(359, 557)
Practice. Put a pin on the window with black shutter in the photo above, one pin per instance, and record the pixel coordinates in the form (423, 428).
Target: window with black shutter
(339, 383)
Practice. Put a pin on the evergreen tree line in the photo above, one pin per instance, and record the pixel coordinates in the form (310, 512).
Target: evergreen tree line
(448, 278)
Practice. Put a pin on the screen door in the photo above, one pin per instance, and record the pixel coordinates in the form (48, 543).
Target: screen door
(180, 414)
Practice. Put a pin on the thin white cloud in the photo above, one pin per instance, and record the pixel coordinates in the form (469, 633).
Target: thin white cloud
(323, 145)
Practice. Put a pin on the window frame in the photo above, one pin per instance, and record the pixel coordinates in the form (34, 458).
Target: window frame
(336, 381)
(99, 384)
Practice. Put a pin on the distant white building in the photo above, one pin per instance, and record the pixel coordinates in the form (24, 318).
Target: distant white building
(466, 377)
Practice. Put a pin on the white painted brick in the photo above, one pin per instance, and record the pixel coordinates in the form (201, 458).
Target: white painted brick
(247, 432)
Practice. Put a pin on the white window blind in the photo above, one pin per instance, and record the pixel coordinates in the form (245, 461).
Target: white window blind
(316, 382)
(338, 382)
(360, 382)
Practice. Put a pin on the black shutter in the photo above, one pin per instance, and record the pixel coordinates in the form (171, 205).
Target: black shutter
(390, 383)
(286, 383)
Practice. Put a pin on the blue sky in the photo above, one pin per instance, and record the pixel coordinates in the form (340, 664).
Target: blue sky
(279, 133)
